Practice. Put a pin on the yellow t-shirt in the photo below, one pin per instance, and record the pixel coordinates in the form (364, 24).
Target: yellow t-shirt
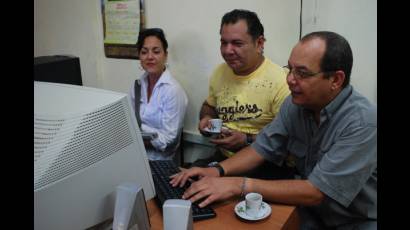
(248, 103)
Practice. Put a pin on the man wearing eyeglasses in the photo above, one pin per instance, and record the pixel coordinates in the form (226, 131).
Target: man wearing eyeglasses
(328, 127)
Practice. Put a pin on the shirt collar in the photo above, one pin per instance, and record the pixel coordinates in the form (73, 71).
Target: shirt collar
(333, 106)
(164, 79)
(337, 102)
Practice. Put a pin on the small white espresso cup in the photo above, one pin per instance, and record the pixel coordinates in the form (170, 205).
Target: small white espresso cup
(216, 125)
(253, 203)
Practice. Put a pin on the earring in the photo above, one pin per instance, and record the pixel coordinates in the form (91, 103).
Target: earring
(140, 67)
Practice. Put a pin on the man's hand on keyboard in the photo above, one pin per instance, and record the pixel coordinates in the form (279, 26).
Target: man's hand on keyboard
(212, 189)
(185, 175)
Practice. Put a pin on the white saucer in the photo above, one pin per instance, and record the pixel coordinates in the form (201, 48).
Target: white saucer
(210, 131)
(264, 212)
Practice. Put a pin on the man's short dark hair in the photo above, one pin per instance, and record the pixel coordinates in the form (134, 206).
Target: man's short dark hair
(255, 28)
(338, 54)
(156, 32)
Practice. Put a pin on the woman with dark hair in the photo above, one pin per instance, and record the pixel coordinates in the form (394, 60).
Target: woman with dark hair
(162, 100)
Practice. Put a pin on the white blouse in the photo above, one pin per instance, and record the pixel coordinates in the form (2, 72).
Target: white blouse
(164, 114)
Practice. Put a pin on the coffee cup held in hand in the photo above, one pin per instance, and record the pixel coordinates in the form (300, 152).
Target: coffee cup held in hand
(253, 203)
(216, 125)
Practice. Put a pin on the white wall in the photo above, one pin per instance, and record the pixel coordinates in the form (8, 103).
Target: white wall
(71, 27)
(356, 20)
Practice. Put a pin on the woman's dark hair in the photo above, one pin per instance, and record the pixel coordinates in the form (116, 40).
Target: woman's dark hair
(338, 54)
(157, 32)
(255, 28)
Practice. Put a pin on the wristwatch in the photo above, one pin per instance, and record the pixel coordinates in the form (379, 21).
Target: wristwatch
(249, 139)
(217, 166)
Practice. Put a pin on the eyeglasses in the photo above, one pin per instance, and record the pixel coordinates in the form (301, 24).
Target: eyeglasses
(299, 74)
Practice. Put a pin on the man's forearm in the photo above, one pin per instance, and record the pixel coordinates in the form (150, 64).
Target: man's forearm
(292, 192)
(207, 110)
(243, 161)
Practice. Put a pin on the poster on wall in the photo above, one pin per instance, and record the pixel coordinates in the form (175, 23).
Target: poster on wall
(122, 21)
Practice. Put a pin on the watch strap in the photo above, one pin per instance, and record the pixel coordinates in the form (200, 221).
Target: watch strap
(220, 169)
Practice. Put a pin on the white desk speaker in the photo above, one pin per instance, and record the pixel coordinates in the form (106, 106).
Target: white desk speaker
(130, 208)
(177, 214)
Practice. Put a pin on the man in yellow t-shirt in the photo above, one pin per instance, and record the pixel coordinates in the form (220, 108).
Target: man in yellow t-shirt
(246, 91)
(247, 103)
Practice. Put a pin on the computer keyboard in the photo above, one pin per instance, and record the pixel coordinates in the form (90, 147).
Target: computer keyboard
(161, 170)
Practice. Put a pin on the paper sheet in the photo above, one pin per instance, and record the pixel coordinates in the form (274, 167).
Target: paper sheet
(122, 21)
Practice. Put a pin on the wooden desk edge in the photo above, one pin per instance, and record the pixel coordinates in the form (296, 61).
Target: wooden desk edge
(291, 221)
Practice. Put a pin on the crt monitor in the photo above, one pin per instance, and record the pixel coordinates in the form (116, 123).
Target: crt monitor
(86, 143)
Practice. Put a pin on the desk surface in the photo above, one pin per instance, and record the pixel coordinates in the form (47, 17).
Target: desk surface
(282, 217)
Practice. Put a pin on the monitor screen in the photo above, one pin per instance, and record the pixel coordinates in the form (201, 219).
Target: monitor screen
(86, 143)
